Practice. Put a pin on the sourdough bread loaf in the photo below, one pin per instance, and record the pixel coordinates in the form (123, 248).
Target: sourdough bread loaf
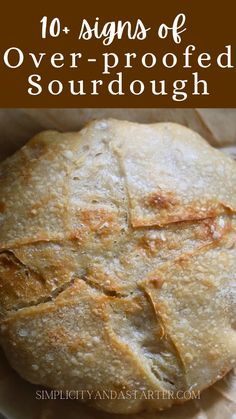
(118, 263)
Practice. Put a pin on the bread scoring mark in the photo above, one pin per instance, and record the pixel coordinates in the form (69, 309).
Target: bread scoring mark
(61, 292)
(206, 230)
(97, 277)
(196, 211)
(13, 278)
(159, 308)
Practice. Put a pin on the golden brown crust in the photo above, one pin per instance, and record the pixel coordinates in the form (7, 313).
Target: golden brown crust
(117, 261)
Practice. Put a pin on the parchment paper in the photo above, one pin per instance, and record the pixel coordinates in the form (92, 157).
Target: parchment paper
(17, 397)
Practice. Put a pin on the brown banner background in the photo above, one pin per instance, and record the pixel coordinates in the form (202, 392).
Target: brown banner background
(210, 26)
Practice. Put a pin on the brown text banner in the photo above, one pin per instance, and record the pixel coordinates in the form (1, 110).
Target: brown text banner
(118, 54)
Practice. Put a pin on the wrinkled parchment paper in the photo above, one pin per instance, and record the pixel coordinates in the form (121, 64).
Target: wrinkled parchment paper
(218, 127)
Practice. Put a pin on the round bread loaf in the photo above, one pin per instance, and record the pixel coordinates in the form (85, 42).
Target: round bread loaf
(118, 263)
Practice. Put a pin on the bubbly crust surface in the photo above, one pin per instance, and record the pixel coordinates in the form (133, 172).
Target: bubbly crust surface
(118, 261)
